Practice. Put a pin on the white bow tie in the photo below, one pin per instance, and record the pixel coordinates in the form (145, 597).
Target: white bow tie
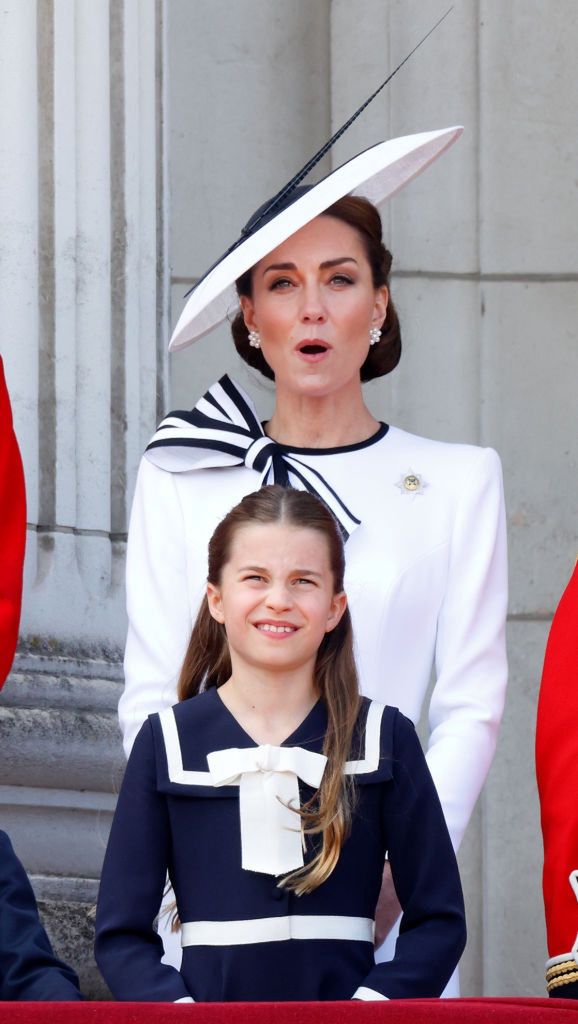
(271, 835)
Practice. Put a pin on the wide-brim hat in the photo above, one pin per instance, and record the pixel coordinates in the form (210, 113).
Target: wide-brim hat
(376, 174)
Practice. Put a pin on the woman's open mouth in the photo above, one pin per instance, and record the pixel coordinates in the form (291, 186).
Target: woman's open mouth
(313, 350)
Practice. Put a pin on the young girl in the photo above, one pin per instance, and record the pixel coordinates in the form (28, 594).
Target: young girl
(273, 797)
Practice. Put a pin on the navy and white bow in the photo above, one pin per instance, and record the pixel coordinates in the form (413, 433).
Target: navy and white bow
(223, 431)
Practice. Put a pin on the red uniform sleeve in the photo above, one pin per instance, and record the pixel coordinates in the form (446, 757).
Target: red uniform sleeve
(557, 772)
(12, 532)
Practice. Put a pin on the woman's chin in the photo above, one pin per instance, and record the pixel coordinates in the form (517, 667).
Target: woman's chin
(315, 380)
(321, 384)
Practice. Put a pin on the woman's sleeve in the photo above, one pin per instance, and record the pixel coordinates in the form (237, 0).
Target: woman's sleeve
(471, 668)
(128, 951)
(432, 933)
(158, 604)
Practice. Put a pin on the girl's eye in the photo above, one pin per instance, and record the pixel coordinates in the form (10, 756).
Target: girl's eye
(253, 577)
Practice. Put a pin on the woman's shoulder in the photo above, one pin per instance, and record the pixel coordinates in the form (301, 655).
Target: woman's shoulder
(451, 452)
(452, 469)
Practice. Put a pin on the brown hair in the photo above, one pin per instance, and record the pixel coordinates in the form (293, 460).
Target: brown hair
(208, 663)
(382, 358)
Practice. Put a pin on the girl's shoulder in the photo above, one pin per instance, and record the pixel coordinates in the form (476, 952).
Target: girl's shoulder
(183, 736)
(381, 731)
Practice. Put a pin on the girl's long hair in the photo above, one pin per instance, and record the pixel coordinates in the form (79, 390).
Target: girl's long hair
(208, 663)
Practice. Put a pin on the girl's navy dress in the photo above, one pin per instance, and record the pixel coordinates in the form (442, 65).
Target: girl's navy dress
(244, 938)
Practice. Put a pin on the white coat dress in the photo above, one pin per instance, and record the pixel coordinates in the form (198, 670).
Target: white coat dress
(426, 580)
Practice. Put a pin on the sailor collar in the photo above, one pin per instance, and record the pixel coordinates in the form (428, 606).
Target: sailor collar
(188, 733)
(268, 780)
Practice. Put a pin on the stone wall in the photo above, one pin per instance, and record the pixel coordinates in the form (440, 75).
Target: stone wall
(121, 111)
(61, 764)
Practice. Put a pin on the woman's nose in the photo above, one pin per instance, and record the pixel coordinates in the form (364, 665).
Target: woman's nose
(312, 306)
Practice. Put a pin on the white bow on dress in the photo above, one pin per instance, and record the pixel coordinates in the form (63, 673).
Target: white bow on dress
(271, 834)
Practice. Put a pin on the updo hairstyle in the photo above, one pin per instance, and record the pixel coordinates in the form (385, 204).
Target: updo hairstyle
(382, 358)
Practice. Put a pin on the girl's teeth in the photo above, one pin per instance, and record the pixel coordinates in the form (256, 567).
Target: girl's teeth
(276, 629)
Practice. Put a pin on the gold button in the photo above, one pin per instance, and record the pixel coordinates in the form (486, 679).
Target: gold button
(411, 482)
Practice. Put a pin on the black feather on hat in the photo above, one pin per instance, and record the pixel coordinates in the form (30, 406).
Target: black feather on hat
(376, 173)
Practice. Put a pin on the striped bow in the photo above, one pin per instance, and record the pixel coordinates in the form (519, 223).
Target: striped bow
(222, 431)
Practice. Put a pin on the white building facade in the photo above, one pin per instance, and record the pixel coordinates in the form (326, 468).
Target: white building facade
(137, 136)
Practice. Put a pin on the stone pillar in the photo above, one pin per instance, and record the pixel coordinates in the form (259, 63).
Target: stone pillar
(93, 304)
(83, 335)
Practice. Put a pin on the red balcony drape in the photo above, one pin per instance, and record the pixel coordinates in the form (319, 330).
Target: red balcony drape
(415, 1011)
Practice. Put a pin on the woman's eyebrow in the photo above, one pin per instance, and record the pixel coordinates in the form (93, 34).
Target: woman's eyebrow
(335, 263)
(324, 266)
(279, 266)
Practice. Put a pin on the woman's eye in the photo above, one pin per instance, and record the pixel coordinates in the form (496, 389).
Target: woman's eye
(280, 284)
(341, 279)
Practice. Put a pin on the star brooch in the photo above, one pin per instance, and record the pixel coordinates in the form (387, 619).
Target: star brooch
(411, 483)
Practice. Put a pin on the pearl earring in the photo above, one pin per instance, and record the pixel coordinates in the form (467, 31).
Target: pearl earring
(254, 339)
(374, 335)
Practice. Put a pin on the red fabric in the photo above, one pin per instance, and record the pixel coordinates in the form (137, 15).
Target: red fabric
(406, 1011)
(557, 771)
(12, 532)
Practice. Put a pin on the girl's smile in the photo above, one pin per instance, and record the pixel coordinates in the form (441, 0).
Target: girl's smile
(277, 629)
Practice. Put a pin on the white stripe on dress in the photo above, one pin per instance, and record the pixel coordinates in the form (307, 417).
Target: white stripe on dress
(370, 762)
(368, 994)
(276, 929)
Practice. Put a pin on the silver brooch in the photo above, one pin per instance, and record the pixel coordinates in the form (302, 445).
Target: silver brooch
(411, 483)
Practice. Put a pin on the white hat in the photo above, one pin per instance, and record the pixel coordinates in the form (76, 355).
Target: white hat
(377, 173)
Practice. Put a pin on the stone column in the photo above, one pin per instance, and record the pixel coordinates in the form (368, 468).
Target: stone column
(83, 335)
(94, 307)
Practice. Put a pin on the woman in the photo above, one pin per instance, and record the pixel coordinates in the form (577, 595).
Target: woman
(426, 559)
(276, 851)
